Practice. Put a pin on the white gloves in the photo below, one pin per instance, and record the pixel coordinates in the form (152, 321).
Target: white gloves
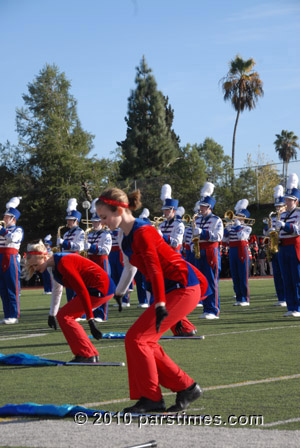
(237, 222)
(197, 231)
(86, 245)
(59, 241)
(279, 224)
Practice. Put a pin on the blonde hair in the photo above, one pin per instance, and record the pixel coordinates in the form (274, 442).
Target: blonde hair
(132, 199)
(40, 251)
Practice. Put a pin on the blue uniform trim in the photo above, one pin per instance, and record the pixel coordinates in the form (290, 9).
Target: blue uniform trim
(170, 285)
(288, 228)
(56, 274)
(128, 239)
(204, 234)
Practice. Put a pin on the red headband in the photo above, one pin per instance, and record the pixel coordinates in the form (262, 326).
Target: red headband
(113, 202)
(36, 252)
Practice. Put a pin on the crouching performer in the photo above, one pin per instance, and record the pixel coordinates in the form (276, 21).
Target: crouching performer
(176, 289)
(92, 286)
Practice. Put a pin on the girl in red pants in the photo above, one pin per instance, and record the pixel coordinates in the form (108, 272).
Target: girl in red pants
(92, 286)
(176, 289)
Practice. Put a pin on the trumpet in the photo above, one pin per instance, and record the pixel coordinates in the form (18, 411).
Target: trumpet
(86, 222)
(186, 219)
(157, 220)
(2, 224)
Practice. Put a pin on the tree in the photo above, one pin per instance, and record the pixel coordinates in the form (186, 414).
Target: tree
(56, 148)
(150, 144)
(242, 86)
(187, 176)
(286, 145)
(15, 179)
(218, 168)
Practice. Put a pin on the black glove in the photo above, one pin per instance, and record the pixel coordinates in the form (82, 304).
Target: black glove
(94, 330)
(161, 314)
(52, 322)
(118, 299)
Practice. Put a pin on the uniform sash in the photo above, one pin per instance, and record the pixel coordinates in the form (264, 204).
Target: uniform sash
(7, 252)
(241, 251)
(294, 241)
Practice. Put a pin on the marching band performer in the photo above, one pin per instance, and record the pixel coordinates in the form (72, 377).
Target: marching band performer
(172, 230)
(277, 274)
(289, 249)
(98, 247)
(73, 239)
(11, 237)
(116, 265)
(92, 287)
(46, 276)
(238, 234)
(209, 230)
(144, 296)
(176, 288)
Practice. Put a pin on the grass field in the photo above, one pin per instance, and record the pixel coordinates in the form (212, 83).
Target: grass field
(248, 363)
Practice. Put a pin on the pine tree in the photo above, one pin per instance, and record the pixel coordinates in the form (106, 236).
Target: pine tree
(150, 145)
(55, 145)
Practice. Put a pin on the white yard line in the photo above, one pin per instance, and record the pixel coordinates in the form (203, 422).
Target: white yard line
(282, 422)
(223, 386)
(253, 331)
(34, 335)
(5, 338)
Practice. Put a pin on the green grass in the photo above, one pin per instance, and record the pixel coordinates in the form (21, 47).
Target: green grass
(245, 344)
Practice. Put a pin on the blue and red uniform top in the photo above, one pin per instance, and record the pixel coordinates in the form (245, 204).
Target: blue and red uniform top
(84, 277)
(164, 268)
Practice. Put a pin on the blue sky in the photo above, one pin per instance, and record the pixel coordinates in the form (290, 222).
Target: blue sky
(187, 43)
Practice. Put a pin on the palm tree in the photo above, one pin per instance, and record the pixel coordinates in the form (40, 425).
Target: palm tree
(243, 87)
(286, 145)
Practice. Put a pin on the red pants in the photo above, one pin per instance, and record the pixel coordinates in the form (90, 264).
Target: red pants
(148, 365)
(74, 333)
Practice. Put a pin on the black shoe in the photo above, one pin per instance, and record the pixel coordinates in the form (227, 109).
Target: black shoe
(185, 397)
(180, 330)
(146, 405)
(79, 358)
(184, 333)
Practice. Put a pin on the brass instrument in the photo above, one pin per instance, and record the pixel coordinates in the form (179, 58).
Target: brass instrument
(86, 222)
(229, 218)
(157, 220)
(2, 224)
(84, 253)
(195, 239)
(58, 248)
(272, 240)
(186, 219)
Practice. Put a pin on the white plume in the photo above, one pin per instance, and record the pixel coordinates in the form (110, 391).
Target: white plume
(180, 211)
(72, 204)
(93, 206)
(242, 204)
(166, 192)
(48, 237)
(278, 191)
(145, 213)
(14, 202)
(292, 181)
(207, 189)
(197, 207)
